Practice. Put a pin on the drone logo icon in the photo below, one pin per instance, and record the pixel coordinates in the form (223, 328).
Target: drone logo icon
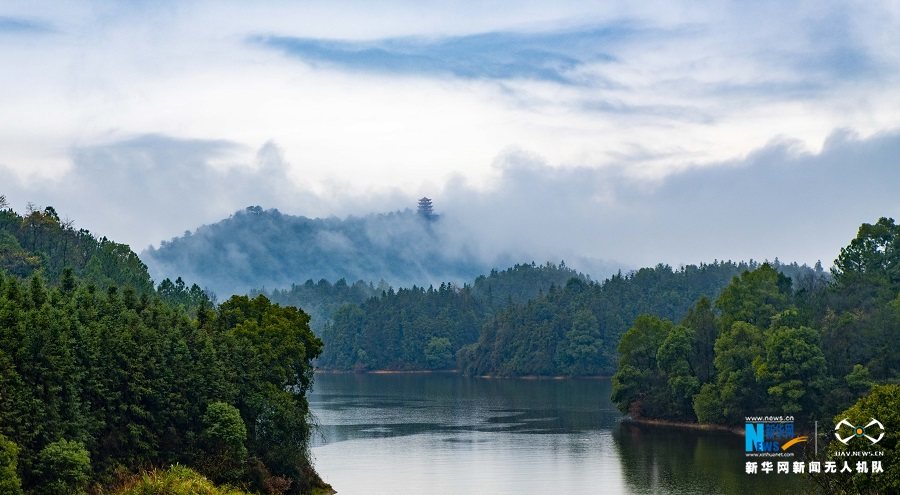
(858, 431)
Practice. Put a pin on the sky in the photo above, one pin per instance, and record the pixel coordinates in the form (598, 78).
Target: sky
(630, 133)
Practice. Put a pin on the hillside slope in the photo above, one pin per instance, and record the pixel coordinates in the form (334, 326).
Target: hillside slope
(256, 248)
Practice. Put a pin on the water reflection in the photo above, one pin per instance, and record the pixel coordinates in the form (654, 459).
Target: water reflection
(669, 460)
(446, 434)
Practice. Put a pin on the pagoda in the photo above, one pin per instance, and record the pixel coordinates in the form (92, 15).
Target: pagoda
(425, 208)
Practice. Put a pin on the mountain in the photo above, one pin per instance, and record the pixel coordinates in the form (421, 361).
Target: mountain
(102, 375)
(322, 299)
(257, 248)
(39, 242)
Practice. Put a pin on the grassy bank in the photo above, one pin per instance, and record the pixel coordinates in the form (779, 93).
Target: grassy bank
(181, 480)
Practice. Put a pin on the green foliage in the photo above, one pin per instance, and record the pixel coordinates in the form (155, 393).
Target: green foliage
(794, 370)
(755, 297)
(581, 350)
(438, 353)
(859, 380)
(270, 351)
(702, 320)
(708, 405)
(521, 283)
(131, 382)
(224, 427)
(883, 404)
(224, 434)
(803, 353)
(394, 331)
(871, 254)
(64, 467)
(322, 299)
(541, 337)
(676, 357)
(39, 242)
(738, 353)
(177, 480)
(639, 387)
(10, 484)
(194, 299)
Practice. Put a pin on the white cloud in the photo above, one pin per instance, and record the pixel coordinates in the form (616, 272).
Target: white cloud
(141, 85)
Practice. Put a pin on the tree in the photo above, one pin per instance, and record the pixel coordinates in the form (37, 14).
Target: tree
(438, 353)
(882, 404)
(581, 351)
(639, 387)
(674, 358)
(270, 349)
(872, 253)
(224, 434)
(65, 468)
(10, 484)
(755, 297)
(703, 321)
(738, 353)
(859, 380)
(794, 370)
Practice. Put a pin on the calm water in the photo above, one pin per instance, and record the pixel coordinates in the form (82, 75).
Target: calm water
(446, 434)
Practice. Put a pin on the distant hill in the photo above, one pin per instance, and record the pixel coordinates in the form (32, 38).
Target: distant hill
(527, 320)
(39, 242)
(257, 248)
(322, 299)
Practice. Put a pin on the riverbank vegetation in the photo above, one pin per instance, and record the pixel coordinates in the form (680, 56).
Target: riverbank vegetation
(529, 320)
(98, 380)
(765, 346)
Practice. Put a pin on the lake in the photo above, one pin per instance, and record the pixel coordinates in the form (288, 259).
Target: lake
(440, 433)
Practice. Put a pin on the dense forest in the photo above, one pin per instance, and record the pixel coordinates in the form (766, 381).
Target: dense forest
(257, 248)
(103, 373)
(574, 329)
(41, 242)
(322, 299)
(765, 347)
(99, 380)
(527, 320)
(420, 328)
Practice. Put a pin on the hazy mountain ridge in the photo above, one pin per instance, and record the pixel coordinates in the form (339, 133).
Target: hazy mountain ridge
(257, 248)
(517, 284)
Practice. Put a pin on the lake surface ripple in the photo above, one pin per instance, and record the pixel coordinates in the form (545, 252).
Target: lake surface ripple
(441, 434)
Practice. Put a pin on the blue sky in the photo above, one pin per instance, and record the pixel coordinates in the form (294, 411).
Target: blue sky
(336, 108)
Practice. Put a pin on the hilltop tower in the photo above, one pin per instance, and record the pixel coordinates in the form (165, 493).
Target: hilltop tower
(425, 208)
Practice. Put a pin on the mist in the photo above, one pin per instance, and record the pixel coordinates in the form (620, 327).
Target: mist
(782, 200)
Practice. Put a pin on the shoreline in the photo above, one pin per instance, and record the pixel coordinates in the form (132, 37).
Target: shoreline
(661, 423)
(384, 372)
(327, 371)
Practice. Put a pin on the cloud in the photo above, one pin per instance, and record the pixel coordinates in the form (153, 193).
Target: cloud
(638, 124)
(19, 25)
(406, 92)
(545, 56)
(146, 188)
(782, 200)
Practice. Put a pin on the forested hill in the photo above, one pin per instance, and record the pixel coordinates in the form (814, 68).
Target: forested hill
(517, 284)
(257, 248)
(103, 376)
(498, 327)
(39, 241)
(760, 348)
